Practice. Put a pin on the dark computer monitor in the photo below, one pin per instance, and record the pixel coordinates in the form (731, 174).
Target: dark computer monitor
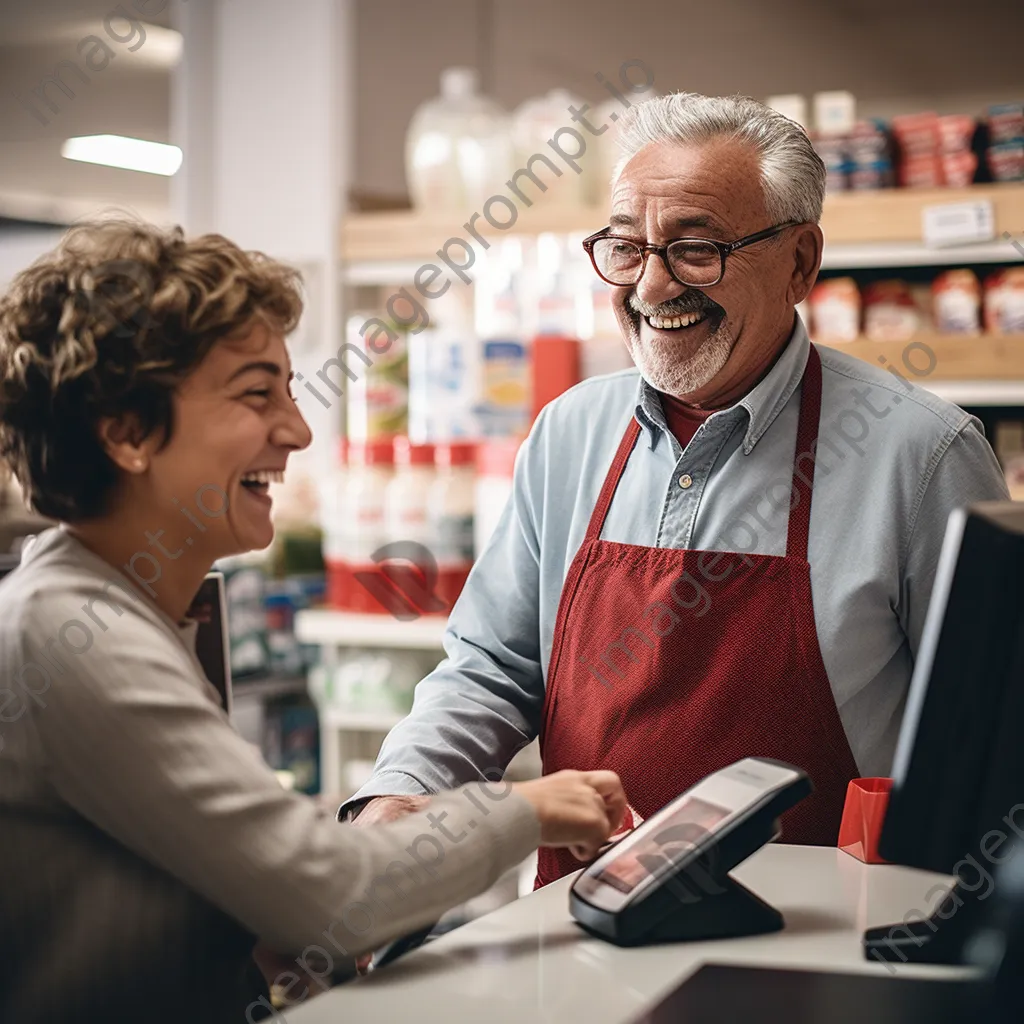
(958, 774)
(213, 646)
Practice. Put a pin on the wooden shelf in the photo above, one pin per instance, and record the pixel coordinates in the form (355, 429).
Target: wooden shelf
(331, 628)
(888, 217)
(961, 359)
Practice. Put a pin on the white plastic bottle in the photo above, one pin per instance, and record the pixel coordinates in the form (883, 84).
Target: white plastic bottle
(451, 505)
(405, 500)
(444, 377)
(458, 152)
(370, 469)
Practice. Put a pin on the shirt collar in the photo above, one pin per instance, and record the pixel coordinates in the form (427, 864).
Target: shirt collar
(762, 404)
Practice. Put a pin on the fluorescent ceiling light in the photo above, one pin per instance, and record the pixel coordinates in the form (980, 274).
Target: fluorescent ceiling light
(120, 151)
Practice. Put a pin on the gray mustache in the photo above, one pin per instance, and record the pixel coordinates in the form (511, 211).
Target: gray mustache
(674, 307)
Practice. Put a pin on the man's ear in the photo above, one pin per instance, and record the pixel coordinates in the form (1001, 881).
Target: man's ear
(124, 441)
(806, 262)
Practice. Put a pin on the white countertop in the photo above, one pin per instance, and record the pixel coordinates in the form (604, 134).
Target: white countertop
(529, 961)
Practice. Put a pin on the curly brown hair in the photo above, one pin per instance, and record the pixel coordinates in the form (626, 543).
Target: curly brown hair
(109, 324)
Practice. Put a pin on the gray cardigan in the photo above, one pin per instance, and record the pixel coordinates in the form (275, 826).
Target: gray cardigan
(144, 845)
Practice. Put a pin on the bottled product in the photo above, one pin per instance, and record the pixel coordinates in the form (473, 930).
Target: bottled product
(458, 151)
(495, 463)
(835, 309)
(604, 350)
(450, 504)
(444, 378)
(405, 499)
(890, 312)
(534, 123)
(956, 302)
(378, 398)
(359, 532)
(1004, 301)
(505, 401)
(555, 368)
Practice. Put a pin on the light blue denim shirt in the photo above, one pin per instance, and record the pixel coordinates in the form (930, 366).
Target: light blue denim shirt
(892, 462)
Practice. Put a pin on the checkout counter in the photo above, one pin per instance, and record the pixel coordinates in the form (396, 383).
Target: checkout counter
(529, 961)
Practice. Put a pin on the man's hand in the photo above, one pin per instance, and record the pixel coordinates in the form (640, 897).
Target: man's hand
(382, 809)
(379, 811)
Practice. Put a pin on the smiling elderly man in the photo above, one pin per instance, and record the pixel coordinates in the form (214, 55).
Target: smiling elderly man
(662, 596)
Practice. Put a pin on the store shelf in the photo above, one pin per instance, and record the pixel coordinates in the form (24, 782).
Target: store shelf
(986, 357)
(867, 255)
(880, 228)
(268, 688)
(359, 721)
(342, 629)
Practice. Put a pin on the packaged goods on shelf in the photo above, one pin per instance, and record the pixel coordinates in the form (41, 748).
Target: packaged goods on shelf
(890, 312)
(1005, 154)
(555, 367)
(353, 526)
(368, 681)
(834, 112)
(450, 510)
(835, 310)
(505, 402)
(378, 397)
(495, 463)
(406, 495)
(458, 147)
(444, 376)
(1004, 301)
(245, 582)
(956, 302)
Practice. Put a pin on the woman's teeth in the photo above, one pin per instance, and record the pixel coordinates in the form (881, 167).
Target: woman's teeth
(671, 323)
(263, 477)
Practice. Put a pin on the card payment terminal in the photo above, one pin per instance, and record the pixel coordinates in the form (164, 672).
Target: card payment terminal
(668, 879)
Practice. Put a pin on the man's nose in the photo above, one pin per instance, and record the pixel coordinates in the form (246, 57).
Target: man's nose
(657, 285)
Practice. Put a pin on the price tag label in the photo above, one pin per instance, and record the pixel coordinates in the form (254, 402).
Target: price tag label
(948, 224)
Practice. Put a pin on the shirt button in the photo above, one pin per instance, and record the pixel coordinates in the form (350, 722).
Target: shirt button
(685, 481)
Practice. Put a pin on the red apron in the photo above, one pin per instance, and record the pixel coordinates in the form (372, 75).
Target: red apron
(669, 664)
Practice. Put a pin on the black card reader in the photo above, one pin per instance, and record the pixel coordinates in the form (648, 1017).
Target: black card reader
(668, 879)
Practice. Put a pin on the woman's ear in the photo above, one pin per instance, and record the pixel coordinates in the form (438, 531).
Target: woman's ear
(125, 443)
(806, 262)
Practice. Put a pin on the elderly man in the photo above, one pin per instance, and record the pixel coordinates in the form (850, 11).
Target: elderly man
(727, 551)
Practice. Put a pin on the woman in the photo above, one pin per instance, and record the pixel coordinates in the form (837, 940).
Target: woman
(145, 405)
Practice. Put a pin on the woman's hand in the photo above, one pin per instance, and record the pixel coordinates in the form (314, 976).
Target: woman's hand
(579, 810)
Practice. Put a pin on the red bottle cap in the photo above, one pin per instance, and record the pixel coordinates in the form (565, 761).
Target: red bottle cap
(371, 453)
(409, 454)
(455, 453)
(498, 458)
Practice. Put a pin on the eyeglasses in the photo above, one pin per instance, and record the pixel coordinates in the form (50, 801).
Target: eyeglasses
(694, 262)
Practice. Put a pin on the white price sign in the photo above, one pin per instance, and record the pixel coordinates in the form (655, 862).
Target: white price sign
(958, 223)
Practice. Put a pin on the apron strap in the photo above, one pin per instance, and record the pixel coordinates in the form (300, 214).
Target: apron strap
(805, 456)
(611, 481)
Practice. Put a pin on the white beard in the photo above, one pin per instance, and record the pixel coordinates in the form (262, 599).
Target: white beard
(666, 372)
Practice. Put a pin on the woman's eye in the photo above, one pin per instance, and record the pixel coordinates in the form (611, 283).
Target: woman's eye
(259, 392)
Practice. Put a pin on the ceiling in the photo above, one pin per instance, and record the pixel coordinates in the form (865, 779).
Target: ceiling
(115, 81)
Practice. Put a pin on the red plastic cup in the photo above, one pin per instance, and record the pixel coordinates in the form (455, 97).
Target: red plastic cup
(863, 814)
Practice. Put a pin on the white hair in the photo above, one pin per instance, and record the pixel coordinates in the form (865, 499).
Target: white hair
(792, 174)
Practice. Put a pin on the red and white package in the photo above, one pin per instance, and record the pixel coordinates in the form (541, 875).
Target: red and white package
(917, 134)
(1004, 301)
(956, 302)
(835, 310)
(890, 312)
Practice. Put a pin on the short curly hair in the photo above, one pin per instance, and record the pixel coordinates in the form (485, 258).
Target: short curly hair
(109, 324)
